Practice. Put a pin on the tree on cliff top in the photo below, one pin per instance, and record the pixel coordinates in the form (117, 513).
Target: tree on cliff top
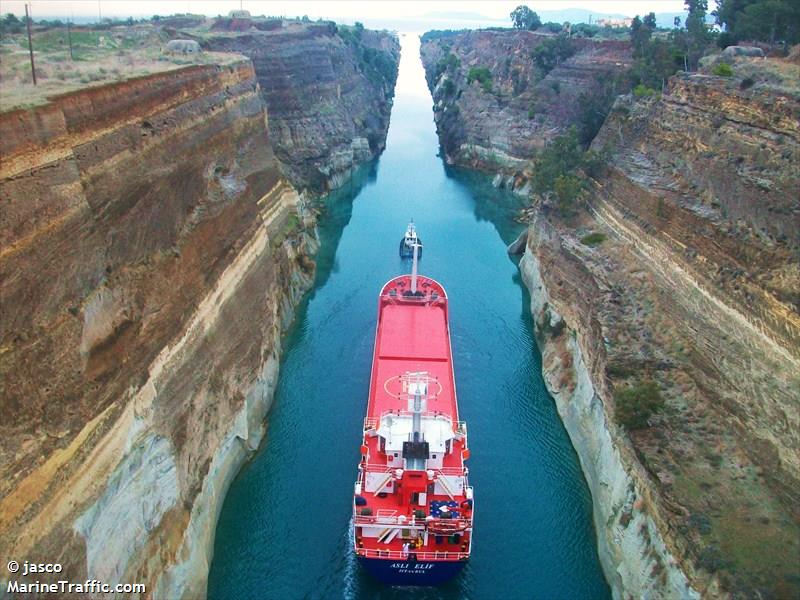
(10, 24)
(524, 18)
(773, 21)
(641, 32)
(697, 34)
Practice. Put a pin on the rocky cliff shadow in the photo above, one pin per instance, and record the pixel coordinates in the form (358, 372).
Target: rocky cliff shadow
(335, 211)
(497, 206)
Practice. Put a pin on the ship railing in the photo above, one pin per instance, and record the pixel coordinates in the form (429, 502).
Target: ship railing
(425, 297)
(405, 522)
(420, 556)
(377, 468)
(456, 525)
(384, 468)
(429, 414)
(459, 427)
(453, 471)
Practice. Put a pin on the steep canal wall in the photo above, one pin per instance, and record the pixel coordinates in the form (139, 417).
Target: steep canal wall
(635, 558)
(152, 254)
(673, 286)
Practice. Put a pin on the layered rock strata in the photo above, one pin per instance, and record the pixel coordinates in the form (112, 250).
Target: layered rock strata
(695, 288)
(329, 95)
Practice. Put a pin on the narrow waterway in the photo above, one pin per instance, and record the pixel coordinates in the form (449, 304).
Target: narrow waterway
(283, 530)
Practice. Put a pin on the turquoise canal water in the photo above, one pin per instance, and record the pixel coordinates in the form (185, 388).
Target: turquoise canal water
(284, 528)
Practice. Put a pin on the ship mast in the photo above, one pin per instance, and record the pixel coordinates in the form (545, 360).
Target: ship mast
(416, 417)
(414, 269)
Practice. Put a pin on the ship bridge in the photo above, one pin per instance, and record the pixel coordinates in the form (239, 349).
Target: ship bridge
(415, 438)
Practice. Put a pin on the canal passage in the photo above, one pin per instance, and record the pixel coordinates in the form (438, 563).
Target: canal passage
(284, 528)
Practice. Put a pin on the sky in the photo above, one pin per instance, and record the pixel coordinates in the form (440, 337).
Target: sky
(346, 10)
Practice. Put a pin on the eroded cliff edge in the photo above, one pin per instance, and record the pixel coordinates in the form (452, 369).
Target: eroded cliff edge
(152, 254)
(682, 269)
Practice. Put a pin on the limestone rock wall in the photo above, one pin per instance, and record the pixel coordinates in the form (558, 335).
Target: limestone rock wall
(151, 255)
(501, 128)
(635, 559)
(329, 96)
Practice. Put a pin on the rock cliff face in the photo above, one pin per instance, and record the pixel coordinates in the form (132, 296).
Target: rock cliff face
(689, 279)
(152, 254)
(500, 124)
(699, 280)
(328, 92)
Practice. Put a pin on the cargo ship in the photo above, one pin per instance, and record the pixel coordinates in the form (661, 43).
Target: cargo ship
(413, 506)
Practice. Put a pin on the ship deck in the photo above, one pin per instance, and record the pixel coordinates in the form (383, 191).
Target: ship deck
(412, 337)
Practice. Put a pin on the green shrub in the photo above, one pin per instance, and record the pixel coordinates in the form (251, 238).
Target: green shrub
(567, 190)
(642, 91)
(438, 34)
(593, 239)
(723, 70)
(711, 560)
(292, 223)
(448, 87)
(531, 112)
(636, 404)
(560, 157)
(450, 63)
(661, 211)
(482, 75)
(550, 53)
(595, 163)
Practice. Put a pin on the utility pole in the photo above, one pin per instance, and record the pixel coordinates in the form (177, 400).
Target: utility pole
(30, 43)
(69, 41)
